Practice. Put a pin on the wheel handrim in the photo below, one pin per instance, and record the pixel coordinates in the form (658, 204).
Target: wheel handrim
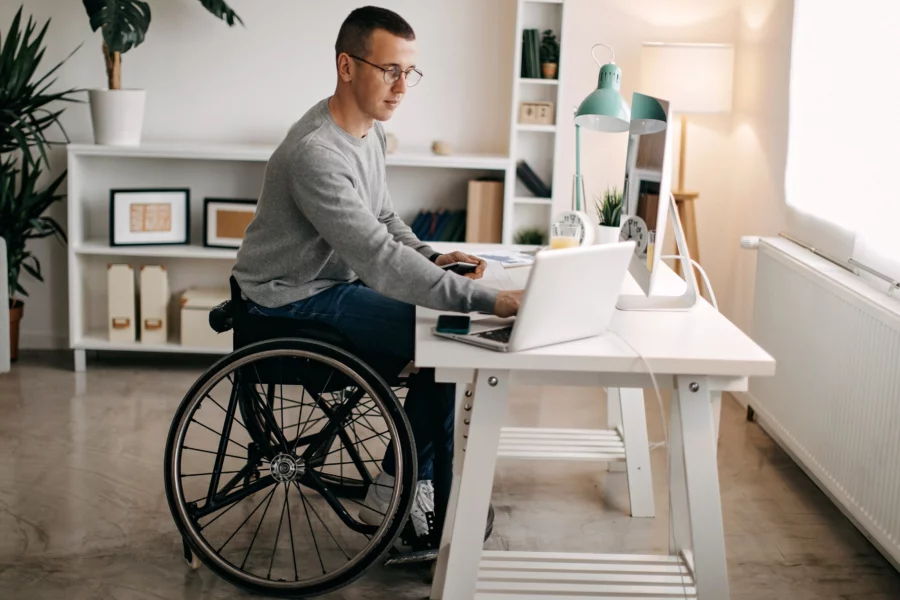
(293, 473)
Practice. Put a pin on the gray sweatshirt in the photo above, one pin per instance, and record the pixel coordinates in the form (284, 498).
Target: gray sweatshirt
(324, 218)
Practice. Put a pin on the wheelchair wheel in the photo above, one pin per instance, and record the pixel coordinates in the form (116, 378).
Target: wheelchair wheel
(257, 456)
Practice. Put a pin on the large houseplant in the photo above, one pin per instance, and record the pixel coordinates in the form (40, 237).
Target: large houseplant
(27, 112)
(117, 113)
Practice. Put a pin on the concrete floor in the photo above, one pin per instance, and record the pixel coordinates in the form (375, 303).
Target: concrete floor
(83, 513)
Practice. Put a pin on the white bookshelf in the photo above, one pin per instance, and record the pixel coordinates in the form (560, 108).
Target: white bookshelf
(418, 181)
(538, 145)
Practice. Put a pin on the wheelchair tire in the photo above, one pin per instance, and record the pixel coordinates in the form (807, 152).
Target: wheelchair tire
(289, 469)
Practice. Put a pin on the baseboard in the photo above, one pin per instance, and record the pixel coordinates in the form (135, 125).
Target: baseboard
(35, 340)
(743, 398)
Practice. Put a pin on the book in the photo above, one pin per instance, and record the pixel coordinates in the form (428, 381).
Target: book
(534, 183)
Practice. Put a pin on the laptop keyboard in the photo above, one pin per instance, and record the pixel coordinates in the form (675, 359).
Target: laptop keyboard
(496, 335)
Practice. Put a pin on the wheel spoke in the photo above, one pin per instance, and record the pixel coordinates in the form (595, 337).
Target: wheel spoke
(308, 520)
(315, 512)
(269, 495)
(237, 496)
(278, 531)
(256, 533)
(291, 533)
(219, 433)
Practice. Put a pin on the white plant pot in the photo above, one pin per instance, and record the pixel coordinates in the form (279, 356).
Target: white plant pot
(117, 116)
(607, 234)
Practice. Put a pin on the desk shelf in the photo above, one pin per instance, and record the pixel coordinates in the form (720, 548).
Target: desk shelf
(556, 576)
(605, 445)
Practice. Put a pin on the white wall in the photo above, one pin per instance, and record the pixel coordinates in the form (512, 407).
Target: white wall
(624, 25)
(281, 62)
(759, 138)
(209, 82)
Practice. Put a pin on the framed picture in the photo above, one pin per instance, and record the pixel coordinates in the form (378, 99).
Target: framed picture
(149, 216)
(225, 220)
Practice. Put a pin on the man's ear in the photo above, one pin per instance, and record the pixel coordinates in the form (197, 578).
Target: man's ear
(343, 67)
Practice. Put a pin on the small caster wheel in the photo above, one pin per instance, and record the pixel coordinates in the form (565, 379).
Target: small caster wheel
(190, 558)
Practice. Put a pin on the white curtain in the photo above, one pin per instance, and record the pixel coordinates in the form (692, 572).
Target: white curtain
(843, 159)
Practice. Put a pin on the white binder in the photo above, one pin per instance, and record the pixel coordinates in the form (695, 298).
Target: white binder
(154, 304)
(120, 291)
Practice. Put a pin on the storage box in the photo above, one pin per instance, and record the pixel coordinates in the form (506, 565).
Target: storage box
(195, 330)
(154, 304)
(484, 212)
(536, 113)
(121, 303)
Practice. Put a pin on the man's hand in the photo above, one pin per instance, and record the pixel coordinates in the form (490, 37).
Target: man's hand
(507, 304)
(462, 257)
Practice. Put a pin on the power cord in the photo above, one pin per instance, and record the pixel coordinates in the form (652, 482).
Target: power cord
(655, 445)
(659, 403)
(712, 294)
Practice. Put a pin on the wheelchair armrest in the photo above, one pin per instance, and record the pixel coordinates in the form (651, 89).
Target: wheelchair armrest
(220, 317)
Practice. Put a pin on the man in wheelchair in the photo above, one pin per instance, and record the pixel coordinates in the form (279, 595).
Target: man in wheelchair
(326, 245)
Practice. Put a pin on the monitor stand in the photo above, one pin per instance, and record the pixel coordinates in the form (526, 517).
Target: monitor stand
(685, 301)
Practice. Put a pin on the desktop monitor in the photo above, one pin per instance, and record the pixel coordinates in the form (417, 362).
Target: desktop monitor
(645, 196)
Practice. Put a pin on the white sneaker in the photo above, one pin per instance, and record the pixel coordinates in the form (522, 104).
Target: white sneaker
(378, 500)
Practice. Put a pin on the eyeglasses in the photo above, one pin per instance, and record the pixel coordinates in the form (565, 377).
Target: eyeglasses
(392, 75)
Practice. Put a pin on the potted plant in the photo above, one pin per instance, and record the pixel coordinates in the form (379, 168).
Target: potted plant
(549, 55)
(117, 113)
(609, 211)
(529, 236)
(29, 110)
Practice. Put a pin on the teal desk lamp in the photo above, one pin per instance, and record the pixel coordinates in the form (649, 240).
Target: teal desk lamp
(605, 109)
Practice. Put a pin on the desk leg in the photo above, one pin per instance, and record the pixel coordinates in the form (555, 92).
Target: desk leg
(694, 485)
(614, 422)
(717, 416)
(637, 452)
(480, 459)
(463, 400)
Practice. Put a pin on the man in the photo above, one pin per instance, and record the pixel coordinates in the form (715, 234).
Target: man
(325, 223)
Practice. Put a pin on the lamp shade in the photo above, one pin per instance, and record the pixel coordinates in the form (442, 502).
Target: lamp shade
(605, 109)
(647, 115)
(694, 78)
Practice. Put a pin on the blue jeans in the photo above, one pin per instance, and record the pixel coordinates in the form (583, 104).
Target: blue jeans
(384, 328)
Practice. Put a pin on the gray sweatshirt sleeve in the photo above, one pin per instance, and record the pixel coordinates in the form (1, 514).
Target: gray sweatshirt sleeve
(400, 230)
(324, 190)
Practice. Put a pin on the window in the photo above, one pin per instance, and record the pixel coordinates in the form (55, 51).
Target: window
(843, 157)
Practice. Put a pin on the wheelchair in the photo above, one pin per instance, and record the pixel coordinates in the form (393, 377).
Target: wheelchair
(274, 448)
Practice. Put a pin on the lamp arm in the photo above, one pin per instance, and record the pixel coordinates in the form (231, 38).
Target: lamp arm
(578, 167)
(611, 60)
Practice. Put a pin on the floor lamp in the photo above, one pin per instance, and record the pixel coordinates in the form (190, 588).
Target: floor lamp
(696, 79)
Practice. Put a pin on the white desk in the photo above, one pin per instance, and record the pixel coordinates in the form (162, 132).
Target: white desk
(698, 354)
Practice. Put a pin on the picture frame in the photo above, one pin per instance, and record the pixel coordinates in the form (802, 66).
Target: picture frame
(149, 216)
(225, 220)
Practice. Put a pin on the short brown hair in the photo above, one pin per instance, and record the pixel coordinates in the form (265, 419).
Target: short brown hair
(355, 32)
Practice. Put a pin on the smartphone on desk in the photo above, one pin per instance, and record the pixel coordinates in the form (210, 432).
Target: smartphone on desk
(453, 324)
(460, 268)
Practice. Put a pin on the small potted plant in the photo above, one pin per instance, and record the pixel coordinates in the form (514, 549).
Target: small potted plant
(531, 236)
(609, 211)
(117, 113)
(549, 55)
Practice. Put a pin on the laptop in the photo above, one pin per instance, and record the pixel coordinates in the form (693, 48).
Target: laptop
(571, 294)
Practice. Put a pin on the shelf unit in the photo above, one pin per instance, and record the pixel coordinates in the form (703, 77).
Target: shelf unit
(207, 170)
(538, 145)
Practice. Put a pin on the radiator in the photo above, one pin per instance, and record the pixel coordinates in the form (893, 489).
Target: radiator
(834, 403)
